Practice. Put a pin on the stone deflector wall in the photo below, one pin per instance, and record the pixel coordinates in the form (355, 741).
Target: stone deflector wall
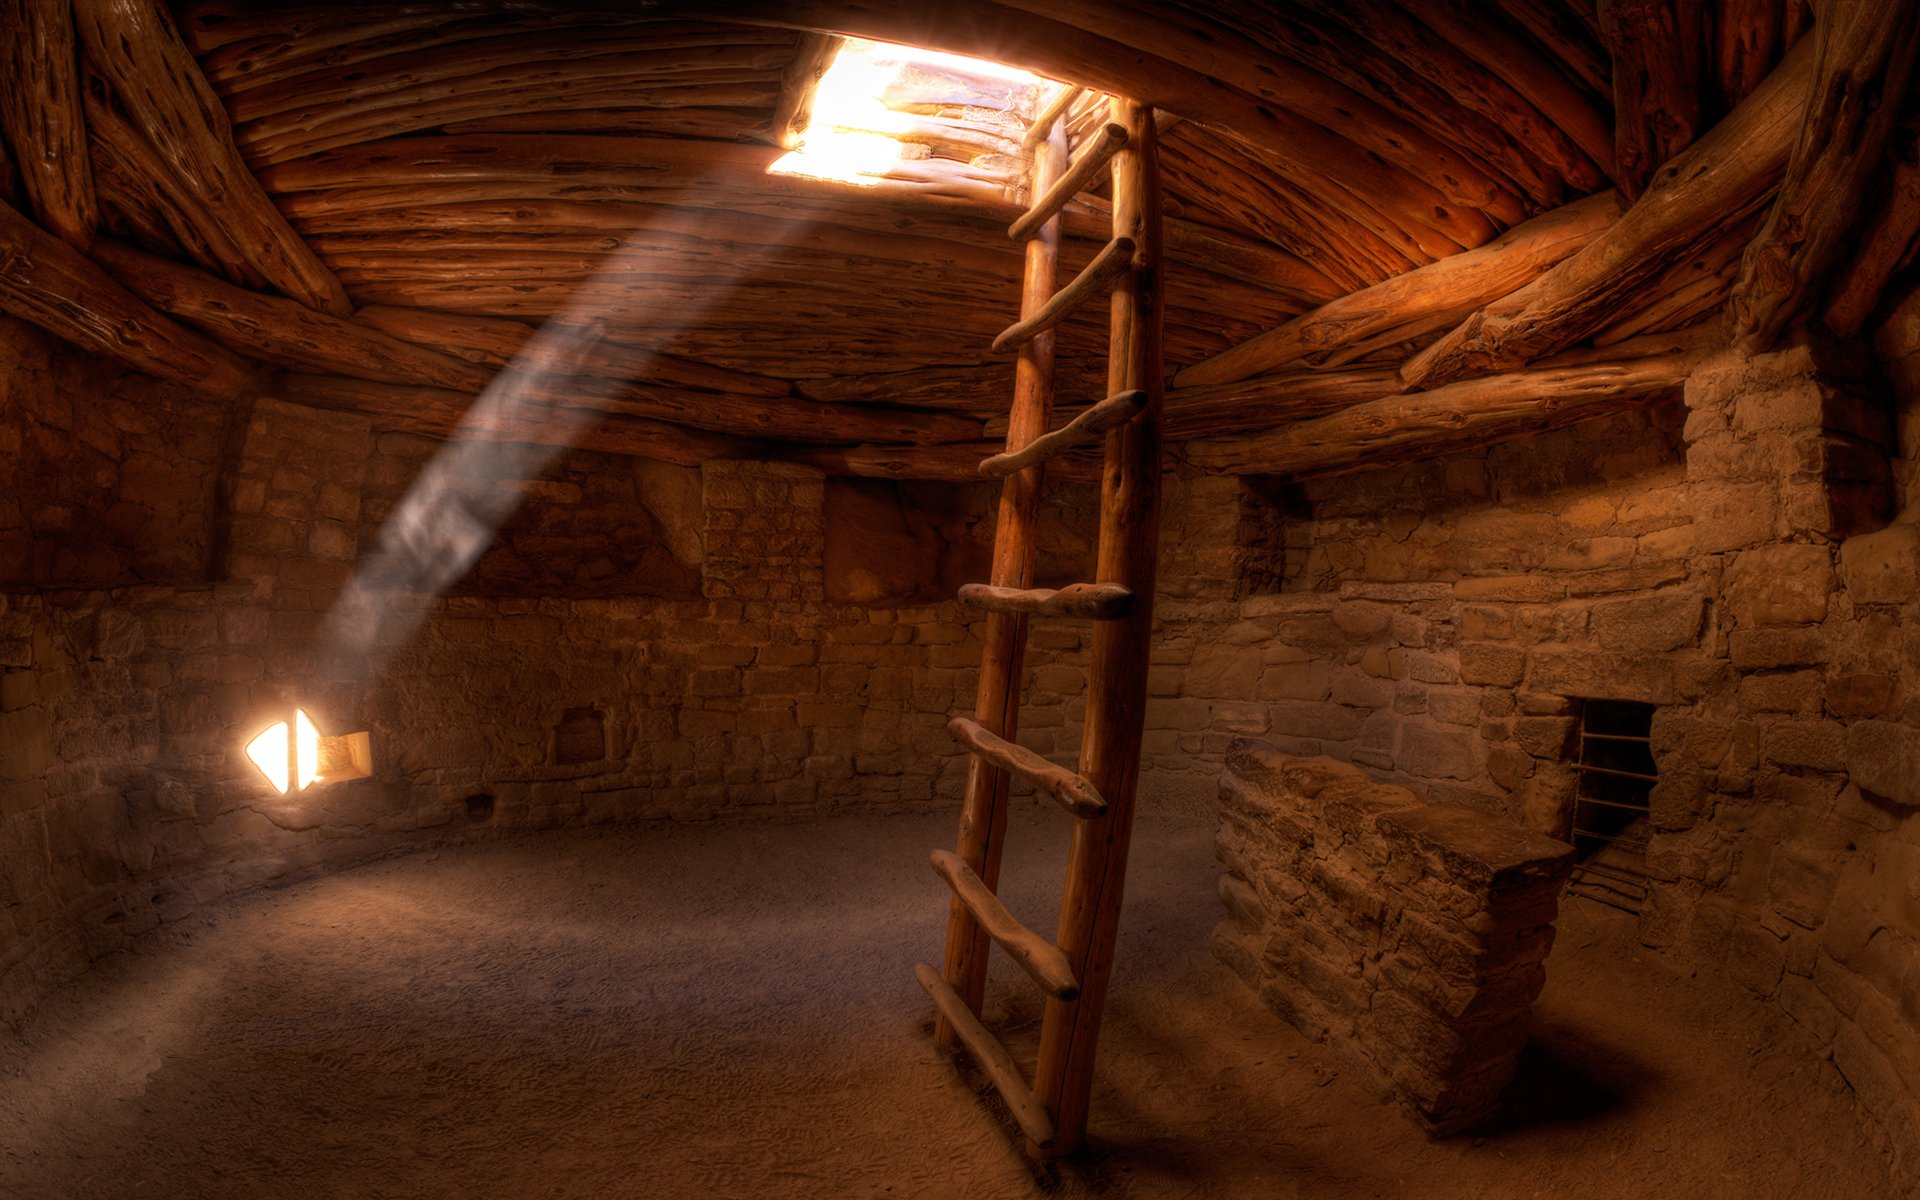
(1409, 936)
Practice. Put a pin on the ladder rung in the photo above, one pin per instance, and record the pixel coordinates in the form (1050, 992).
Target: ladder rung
(1075, 794)
(1110, 264)
(1089, 601)
(1116, 409)
(1055, 108)
(1111, 140)
(990, 1054)
(1040, 958)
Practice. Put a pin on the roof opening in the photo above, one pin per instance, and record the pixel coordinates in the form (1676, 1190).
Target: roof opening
(878, 105)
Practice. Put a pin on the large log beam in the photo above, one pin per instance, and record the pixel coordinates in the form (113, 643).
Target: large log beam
(1418, 302)
(41, 115)
(134, 45)
(47, 282)
(788, 420)
(448, 414)
(1656, 47)
(496, 341)
(1865, 59)
(1472, 412)
(1711, 186)
(1886, 244)
(282, 331)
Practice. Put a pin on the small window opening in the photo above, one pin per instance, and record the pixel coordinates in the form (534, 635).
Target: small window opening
(878, 106)
(1612, 811)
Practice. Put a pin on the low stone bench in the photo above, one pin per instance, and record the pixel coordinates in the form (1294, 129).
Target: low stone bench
(1409, 936)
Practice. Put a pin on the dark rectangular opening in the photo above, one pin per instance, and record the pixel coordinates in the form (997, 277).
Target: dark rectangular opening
(1611, 804)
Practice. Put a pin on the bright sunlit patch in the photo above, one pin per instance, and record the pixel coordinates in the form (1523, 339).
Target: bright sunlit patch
(269, 752)
(851, 134)
(306, 746)
(295, 756)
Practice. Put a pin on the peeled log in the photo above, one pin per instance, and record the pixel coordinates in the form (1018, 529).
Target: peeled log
(495, 341)
(134, 45)
(42, 117)
(1886, 246)
(1711, 186)
(47, 282)
(1866, 54)
(1417, 302)
(280, 330)
(1471, 412)
(1657, 76)
(782, 419)
(444, 414)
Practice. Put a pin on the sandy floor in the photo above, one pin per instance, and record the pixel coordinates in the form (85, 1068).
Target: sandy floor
(731, 1012)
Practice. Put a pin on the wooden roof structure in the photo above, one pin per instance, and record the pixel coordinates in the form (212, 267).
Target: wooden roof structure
(1395, 226)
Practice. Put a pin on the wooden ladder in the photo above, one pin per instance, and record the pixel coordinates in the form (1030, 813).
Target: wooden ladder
(1074, 968)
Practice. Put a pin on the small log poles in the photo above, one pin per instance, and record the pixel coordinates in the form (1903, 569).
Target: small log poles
(1865, 57)
(1093, 159)
(1114, 410)
(990, 1054)
(1074, 794)
(1037, 956)
(48, 282)
(983, 809)
(1117, 678)
(1086, 601)
(1113, 261)
(43, 119)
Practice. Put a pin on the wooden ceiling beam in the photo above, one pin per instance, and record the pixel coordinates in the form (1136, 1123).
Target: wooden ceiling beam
(535, 390)
(1065, 51)
(449, 414)
(1706, 189)
(496, 341)
(42, 117)
(1472, 412)
(1421, 301)
(134, 45)
(1866, 56)
(1201, 43)
(48, 282)
(1886, 245)
(1658, 78)
(278, 330)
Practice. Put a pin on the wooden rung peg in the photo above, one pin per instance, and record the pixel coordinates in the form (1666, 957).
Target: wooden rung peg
(1115, 260)
(1055, 108)
(1116, 409)
(1088, 601)
(1100, 149)
(1074, 792)
(990, 1054)
(1040, 958)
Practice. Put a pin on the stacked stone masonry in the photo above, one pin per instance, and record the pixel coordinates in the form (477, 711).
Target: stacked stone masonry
(1742, 558)
(1410, 937)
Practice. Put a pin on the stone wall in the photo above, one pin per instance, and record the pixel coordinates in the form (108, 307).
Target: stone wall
(642, 641)
(1409, 936)
(1724, 560)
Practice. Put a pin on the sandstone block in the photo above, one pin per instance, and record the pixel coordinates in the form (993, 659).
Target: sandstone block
(1883, 567)
(1883, 757)
(1500, 666)
(1649, 624)
(1779, 585)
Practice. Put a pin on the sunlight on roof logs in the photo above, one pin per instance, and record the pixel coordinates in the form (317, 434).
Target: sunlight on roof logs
(851, 134)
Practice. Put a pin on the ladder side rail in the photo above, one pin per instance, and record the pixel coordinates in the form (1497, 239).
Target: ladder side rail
(983, 810)
(1116, 693)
